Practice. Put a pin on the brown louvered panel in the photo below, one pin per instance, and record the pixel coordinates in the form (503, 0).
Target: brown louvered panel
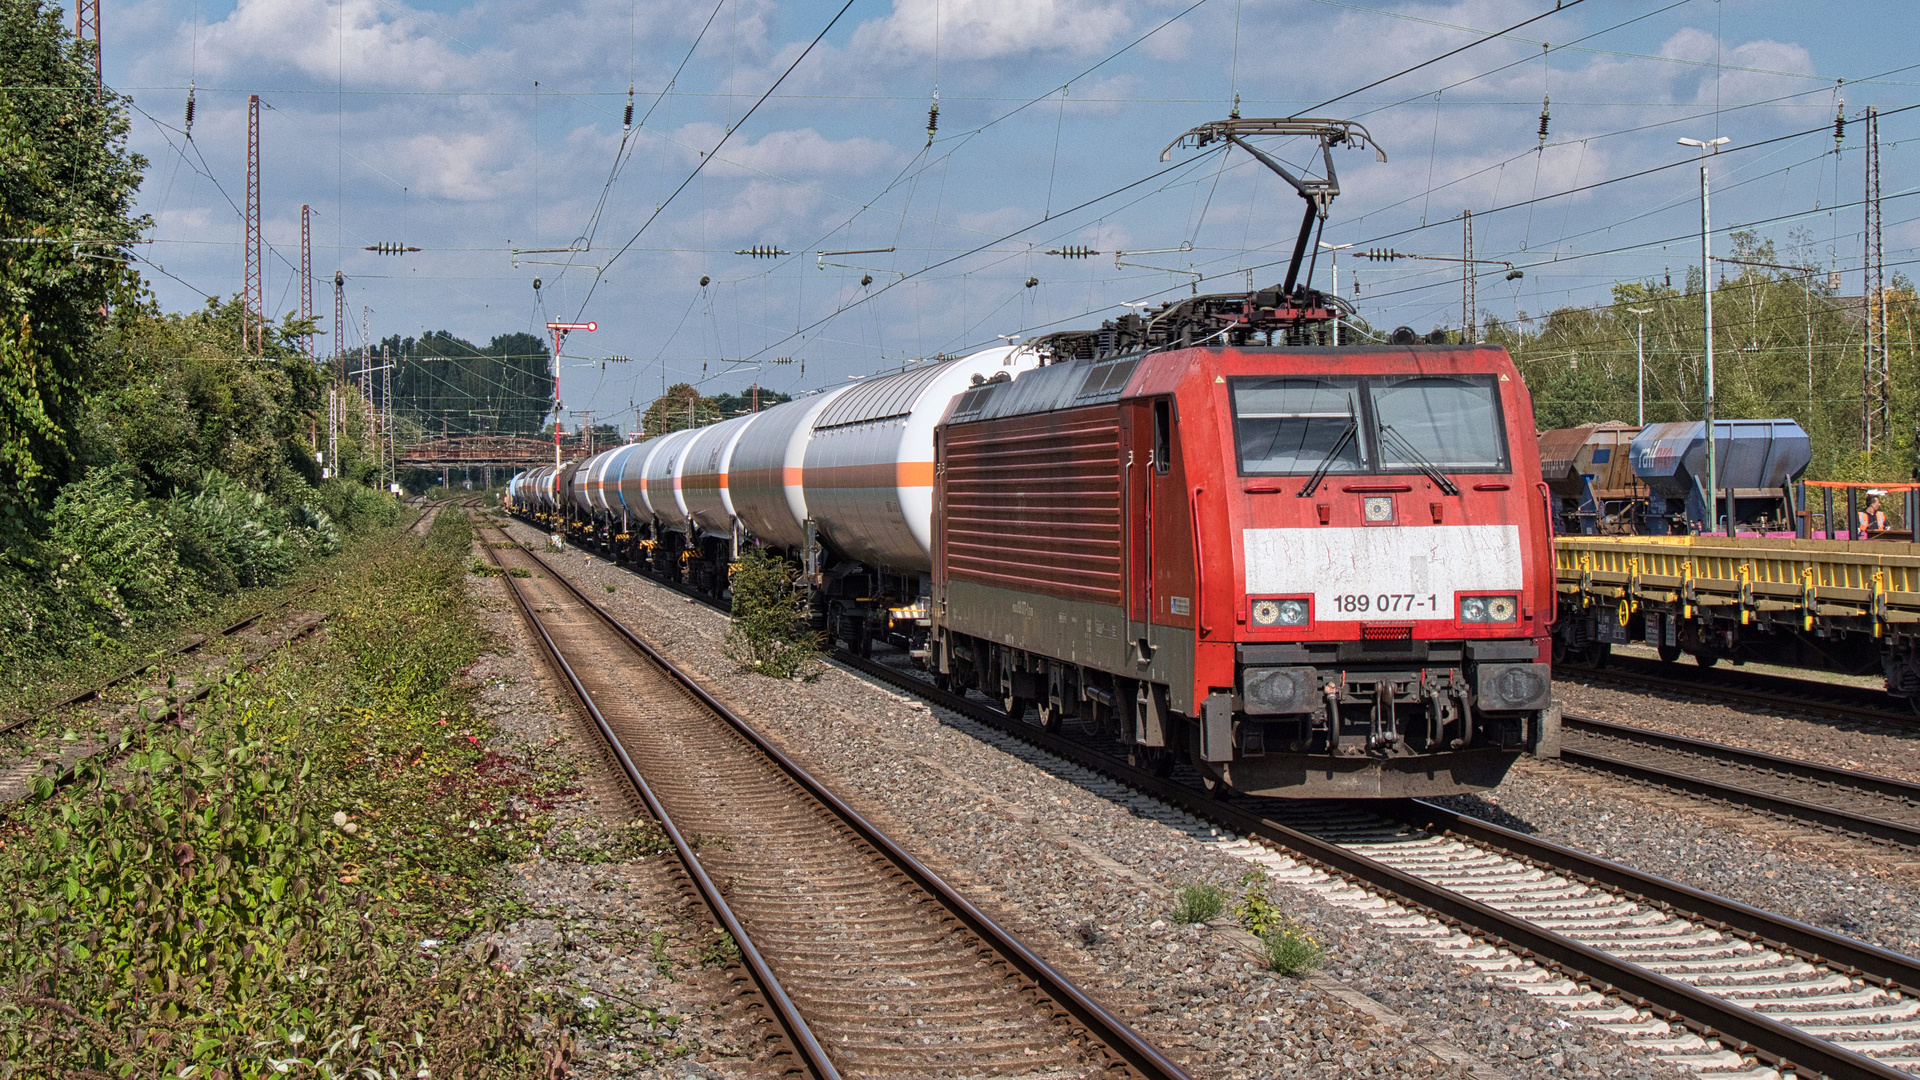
(1033, 504)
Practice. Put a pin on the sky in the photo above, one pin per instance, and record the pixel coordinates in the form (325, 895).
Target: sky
(492, 136)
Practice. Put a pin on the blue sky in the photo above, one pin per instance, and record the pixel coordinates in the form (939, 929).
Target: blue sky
(473, 130)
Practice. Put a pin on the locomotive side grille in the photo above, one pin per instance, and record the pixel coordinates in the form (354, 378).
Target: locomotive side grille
(1033, 503)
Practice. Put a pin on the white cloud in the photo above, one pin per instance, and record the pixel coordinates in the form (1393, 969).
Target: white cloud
(800, 152)
(990, 29)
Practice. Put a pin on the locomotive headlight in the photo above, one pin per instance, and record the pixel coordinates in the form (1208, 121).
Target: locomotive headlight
(1289, 612)
(1488, 609)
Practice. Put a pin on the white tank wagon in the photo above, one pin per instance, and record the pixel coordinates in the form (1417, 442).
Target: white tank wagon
(704, 477)
(839, 482)
(868, 472)
(767, 467)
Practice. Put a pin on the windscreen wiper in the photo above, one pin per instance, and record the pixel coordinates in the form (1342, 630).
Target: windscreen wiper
(1413, 454)
(1339, 446)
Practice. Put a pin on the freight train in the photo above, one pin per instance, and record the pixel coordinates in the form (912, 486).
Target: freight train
(1307, 570)
(1304, 568)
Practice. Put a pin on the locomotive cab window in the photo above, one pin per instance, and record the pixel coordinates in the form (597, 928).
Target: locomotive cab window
(1451, 422)
(1291, 426)
(1162, 436)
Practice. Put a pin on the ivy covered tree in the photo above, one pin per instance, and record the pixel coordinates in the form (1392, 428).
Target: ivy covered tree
(67, 184)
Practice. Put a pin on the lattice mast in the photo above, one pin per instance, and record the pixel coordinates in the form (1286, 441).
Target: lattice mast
(1876, 401)
(1469, 286)
(306, 275)
(86, 27)
(252, 323)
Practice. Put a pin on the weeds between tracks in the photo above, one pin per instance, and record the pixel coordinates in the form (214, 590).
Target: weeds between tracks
(260, 891)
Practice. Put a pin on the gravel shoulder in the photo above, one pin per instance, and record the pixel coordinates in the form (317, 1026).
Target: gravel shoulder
(605, 921)
(1089, 884)
(1843, 744)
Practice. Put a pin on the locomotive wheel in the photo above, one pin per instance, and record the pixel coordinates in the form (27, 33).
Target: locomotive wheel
(1050, 716)
(1014, 706)
(1154, 759)
(1670, 654)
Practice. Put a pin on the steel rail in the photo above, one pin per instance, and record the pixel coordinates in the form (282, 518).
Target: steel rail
(182, 649)
(1119, 1038)
(1786, 806)
(1782, 1044)
(1787, 694)
(792, 1025)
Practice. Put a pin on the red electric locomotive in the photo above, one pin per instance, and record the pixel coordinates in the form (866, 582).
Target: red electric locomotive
(1308, 569)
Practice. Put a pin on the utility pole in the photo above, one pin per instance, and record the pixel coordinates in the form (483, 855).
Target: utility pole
(252, 323)
(1334, 251)
(306, 274)
(1875, 404)
(366, 381)
(392, 467)
(1640, 365)
(1712, 522)
(86, 17)
(1469, 315)
(339, 327)
(586, 427)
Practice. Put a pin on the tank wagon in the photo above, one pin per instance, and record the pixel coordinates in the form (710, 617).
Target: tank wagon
(1306, 569)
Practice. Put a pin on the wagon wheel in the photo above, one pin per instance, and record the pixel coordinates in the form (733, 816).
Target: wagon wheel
(1154, 759)
(1213, 777)
(1051, 716)
(1670, 654)
(1014, 706)
(943, 682)
(1705, 659)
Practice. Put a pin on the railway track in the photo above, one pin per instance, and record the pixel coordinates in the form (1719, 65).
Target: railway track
(1749, 688)
(1862, 804)
(871, 965)
(1725, 989)
(1717, 986)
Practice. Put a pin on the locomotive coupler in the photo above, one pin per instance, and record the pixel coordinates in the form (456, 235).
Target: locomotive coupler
(1384, 733)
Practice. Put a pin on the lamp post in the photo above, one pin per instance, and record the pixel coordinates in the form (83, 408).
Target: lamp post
(1640, 365)
(1706, 147)
(1336, 249)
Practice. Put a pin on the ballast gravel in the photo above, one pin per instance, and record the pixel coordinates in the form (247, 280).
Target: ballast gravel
(1090, 885)
(619, 935)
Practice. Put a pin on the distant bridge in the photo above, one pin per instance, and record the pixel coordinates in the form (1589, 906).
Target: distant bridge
(492, 451)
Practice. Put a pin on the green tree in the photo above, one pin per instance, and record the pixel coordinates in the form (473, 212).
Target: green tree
(66, 178)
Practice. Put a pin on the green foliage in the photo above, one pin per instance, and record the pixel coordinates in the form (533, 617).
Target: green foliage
(1785, 345)
(264, 891)
(65, 175)
(115, 551)
(682, 406)
(769, 635)
(445, 384)
(1288, 947)
(1198, 903)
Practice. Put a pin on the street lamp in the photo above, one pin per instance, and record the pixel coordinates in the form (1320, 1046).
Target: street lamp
(1336, 249)
(1640, 365)
(1707, 147)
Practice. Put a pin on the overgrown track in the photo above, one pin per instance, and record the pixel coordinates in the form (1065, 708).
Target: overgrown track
(1767, 987)
(190, 645)
(1748, 688)
(1878, 807)
(873, 966)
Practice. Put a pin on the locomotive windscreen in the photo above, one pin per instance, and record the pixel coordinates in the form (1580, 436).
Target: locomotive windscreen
(1291, 426)
(1451, 421)
(1376, 424)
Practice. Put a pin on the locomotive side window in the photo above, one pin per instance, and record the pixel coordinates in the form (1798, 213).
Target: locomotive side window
(1162, 436)
(1452, 422)
(1291, 426)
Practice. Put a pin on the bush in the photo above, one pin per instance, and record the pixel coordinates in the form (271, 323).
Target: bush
(1289, 948)
(769, 635)
(1199, 903)
(354, 508)
(236, 534)
(110, 550)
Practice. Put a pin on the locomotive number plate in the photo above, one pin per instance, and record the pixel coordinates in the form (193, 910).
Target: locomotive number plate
(1388, 603)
